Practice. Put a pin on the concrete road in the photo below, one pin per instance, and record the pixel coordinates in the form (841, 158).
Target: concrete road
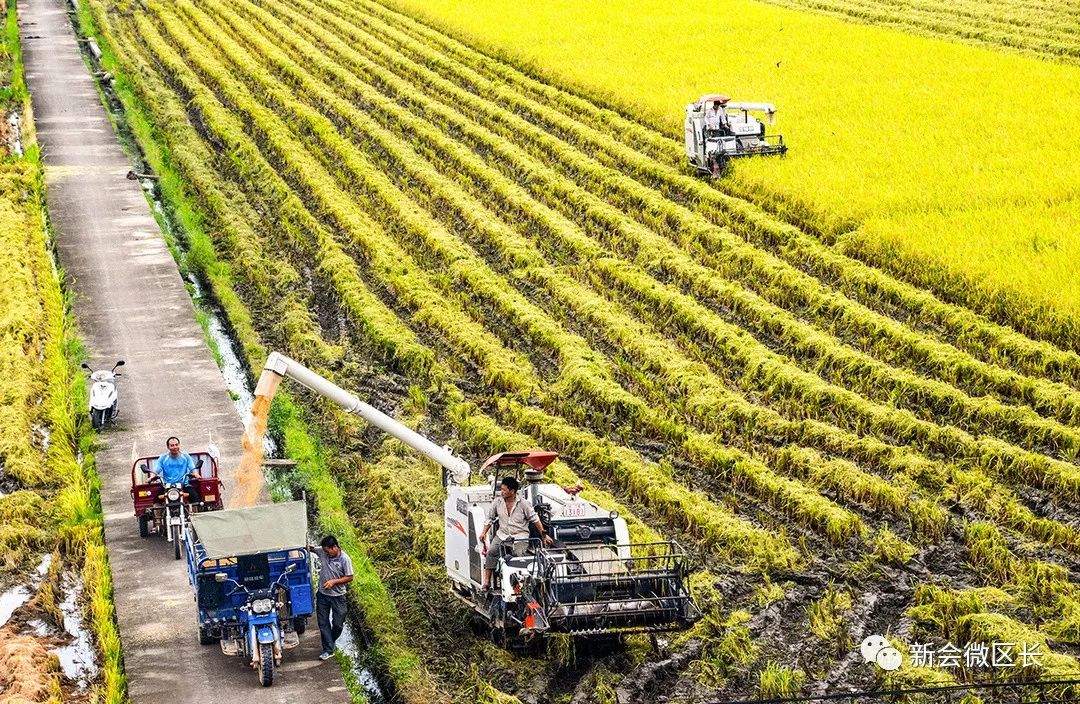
(131, 304)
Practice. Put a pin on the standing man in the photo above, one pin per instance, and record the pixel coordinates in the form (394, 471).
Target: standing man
(335, 572)
(514, 516)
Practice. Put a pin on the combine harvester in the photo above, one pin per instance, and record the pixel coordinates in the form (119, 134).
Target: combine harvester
(592, 581)
(729, 133)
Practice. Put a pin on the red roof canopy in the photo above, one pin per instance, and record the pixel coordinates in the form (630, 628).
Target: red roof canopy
(705, 99)
(535, 459)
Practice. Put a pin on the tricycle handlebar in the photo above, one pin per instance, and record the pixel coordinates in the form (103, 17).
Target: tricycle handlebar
(277, 582)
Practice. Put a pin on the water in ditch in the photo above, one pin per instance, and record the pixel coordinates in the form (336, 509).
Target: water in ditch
(78, 660)
(254, 411)
(14, 598)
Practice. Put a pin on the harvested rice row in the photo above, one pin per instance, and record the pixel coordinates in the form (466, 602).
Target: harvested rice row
(713, 519)
(1053, 468)
(563, 475)
(580, 368)
(993, 342)
(852, 365)
(313, 59)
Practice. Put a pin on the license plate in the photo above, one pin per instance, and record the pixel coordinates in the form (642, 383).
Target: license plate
(574, 511)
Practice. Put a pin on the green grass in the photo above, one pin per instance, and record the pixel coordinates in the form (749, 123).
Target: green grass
(777, 681)
(59, 511)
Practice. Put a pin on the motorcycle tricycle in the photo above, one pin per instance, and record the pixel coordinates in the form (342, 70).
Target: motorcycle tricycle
(163, 509)
(250, 571)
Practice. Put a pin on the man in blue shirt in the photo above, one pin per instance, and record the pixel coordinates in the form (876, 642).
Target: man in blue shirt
(175, 467)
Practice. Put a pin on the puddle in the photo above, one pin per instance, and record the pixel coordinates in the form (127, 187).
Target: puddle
(77, 658)
(16, 138)
(40, 628)
(13, 599)
(43, 435)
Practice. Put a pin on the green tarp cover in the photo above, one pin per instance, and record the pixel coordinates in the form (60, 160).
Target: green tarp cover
(246, 531)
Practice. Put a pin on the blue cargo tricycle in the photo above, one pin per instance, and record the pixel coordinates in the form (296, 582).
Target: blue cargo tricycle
(250, 571)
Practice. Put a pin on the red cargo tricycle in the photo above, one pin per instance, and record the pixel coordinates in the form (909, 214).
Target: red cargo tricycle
(162, 509)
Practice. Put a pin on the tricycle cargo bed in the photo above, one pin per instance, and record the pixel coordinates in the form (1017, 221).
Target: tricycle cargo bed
(249, 531)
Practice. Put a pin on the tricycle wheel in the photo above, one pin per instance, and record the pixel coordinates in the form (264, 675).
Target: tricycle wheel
(266, 664)
(176, 541)
(299, 624)
(144, 525)
(205, 638)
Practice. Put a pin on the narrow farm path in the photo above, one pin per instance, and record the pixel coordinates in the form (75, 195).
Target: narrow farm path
(131, 304)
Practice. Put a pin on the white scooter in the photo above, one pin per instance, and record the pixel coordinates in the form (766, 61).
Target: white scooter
(104, 401)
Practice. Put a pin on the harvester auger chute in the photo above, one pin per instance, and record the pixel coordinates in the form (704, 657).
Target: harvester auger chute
(591, 581)
(718, 130)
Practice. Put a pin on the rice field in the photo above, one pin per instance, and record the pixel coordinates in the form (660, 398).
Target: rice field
(1047, 29)
(54, 576)
(503, 263)
(949, 165)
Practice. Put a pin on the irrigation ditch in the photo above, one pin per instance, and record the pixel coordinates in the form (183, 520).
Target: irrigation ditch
(360, 674)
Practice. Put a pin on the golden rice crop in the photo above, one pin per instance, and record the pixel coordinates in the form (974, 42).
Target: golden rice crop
(900, 145)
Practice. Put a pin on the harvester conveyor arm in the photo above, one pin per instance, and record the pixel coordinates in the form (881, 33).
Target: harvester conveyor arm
(457, 468)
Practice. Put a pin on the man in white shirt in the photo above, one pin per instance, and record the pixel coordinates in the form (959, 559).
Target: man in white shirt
(514, 516)
(715, 117)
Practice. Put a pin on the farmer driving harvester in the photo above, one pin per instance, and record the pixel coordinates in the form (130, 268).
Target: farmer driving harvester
(514, 515)
(716, 117)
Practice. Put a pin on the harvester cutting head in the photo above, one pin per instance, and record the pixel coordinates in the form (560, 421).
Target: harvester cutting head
(718, 129)
(591, 581)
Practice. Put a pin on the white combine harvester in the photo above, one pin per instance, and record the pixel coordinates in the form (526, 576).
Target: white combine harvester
(718, 130)
(591, 581)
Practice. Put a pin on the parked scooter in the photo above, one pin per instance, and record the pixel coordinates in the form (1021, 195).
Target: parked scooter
(104, 401)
